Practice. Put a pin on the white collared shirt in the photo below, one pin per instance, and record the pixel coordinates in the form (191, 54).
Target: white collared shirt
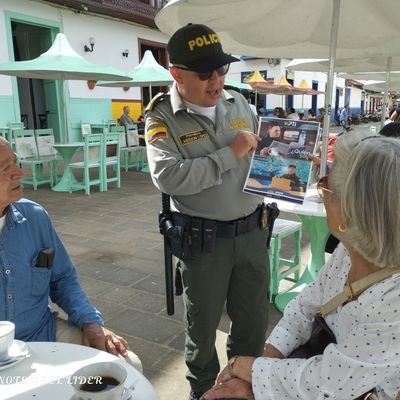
(367, 353)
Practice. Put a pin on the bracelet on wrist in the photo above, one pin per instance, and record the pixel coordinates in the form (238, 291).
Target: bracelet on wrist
(231, 363)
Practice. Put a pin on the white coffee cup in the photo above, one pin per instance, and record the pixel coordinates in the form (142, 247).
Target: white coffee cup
(7, 332)
(99, 381)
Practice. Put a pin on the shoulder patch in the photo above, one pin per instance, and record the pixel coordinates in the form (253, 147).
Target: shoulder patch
(158, 97)
(155, 130)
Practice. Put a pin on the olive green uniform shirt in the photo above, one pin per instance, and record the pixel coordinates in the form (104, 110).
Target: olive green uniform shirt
(190, 159)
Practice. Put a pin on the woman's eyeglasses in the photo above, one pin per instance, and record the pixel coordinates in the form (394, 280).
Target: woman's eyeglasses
(322, 186)
(205, 76)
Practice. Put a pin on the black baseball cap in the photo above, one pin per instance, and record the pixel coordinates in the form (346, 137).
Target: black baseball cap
(198, 48)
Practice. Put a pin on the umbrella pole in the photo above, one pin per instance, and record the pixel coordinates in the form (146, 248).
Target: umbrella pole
(64, 97)
(385, 97)
(150, 93)
(329, 89)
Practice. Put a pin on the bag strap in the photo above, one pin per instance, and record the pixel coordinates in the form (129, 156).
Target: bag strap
(352, 290)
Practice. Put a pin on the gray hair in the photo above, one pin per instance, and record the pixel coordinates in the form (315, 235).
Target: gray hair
(366, 179)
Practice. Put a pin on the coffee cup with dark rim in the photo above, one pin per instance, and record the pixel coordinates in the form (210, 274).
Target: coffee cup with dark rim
(7, 333)
(99, 381)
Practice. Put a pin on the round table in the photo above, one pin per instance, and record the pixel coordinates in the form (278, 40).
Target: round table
(67, 181)
(49, 366)
(313, 216)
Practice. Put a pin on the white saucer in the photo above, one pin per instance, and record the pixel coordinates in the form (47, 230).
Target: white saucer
(18, 352)
(126, 395)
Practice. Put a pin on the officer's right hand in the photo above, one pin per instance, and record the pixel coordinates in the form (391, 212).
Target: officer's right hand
(243, 143)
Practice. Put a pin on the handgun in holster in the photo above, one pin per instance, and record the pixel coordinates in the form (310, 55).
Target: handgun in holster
(272, 214)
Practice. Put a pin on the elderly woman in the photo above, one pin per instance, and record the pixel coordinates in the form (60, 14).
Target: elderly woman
(361, 196)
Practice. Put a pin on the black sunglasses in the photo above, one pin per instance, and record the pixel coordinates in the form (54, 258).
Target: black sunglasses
(205, 76)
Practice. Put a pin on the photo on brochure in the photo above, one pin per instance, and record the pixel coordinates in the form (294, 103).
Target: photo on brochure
(280, 167)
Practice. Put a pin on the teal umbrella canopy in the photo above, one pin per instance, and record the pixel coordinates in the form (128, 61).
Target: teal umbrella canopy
(237, 84)
(148, 73)
(63, 63)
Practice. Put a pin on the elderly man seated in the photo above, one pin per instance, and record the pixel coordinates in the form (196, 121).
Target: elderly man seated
(34, 266)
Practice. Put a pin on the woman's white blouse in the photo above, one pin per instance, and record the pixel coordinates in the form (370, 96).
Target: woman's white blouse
(367, 353)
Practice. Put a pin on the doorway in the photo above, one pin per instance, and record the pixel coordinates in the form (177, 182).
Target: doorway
(160, 54)
(38, 98)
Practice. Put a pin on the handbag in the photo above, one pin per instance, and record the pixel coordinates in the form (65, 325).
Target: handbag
(321, 335)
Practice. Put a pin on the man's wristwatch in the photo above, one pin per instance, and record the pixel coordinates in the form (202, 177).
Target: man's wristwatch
(231, 363)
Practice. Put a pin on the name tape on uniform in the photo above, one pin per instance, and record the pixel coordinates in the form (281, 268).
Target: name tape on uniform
(191, 137)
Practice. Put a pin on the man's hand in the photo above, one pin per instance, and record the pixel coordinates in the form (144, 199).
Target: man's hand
(315, 159)
(233, 388)
(243, 143)
(95, 335)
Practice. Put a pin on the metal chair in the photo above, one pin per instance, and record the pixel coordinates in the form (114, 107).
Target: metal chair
(93, 155)
(281, 268)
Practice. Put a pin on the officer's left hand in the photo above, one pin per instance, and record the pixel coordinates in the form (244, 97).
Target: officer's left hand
(95, 335)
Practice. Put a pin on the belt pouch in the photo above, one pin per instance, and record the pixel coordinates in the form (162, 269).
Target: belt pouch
(209, 236)
(196, 233)
(179, 243)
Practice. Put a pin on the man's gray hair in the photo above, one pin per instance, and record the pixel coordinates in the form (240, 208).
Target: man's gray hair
(366, 179)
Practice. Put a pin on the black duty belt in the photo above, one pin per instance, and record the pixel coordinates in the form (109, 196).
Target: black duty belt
(224, 229)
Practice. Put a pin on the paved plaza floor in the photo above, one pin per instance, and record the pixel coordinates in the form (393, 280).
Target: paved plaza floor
(114, 242)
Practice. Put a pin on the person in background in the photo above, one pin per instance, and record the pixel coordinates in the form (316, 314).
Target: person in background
(344, 117)
(252, 107)
(363, 212)
(311, 115)
(391, 130)
(292, 114)
(321, 115)
(141, 126)
(395, 114)
(35, 267)
(279, 112)
(200, 140)
(125, 118)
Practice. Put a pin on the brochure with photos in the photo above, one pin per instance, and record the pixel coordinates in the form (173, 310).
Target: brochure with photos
(280, 167)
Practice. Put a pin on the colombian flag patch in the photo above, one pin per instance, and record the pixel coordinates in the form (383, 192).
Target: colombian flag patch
(158, 132)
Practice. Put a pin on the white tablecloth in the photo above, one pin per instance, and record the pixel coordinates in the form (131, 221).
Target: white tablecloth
(44, 375)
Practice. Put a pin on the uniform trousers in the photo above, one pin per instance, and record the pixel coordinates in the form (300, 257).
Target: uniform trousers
(235, 273)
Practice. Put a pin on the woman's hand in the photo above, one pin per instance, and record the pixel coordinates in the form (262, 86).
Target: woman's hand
(233, 388)
(241, 368)
(223, 376)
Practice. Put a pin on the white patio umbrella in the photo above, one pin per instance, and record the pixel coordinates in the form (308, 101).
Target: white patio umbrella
(311, 29)
(61, 62)
(148, 73)
(363, 68)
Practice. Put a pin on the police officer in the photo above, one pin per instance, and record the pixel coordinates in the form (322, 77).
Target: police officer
(199, 142)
